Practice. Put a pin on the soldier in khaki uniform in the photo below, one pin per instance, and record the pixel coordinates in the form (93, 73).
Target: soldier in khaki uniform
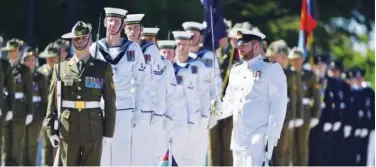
(311, 108)
(23, 111)
(85, 81)
(51, 54)
(40, 107)
(278, 51)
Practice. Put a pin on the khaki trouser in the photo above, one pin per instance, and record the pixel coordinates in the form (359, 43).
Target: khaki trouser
(30, 146)
(220, 140)
(282, 153)
(300, 146)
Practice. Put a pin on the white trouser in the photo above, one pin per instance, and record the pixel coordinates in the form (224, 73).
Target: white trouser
(196, 147)
(159, 144)
(142, 141)
(250, 157)
(118, 153)
(179, 134)
(371, 149)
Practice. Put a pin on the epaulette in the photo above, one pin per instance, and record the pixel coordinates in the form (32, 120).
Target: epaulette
(268, 60)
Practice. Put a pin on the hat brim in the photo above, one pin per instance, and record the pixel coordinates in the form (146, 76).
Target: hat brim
(47, 55)
(241, 42)
(7, 49)
(71, 35)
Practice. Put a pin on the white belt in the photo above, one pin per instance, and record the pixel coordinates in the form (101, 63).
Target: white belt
(306, 101)
(19, 95)
(80, 104)
(37, 99)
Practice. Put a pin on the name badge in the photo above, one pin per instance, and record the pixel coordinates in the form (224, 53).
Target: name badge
(91, 82)
(130, 55)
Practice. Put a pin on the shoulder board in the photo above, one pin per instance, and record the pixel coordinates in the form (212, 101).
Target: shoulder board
(268, 60)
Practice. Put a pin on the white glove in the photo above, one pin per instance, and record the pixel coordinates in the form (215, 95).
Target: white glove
(314, 122)
(336, 126)
(364, 132)
(137, 116)
(298, 123)
(107, 141)
(357, 132)
(157, 121)
(347, 131)
(327, 127)
(204, 122)
(55, 140)
(212, 121)
(291, 124)
(45, 123)
(216, 106)
(168, 123)
(270, 142)
(29, 119)
(9, 116)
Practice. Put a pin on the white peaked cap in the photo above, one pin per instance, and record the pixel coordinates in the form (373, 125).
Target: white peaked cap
(182, 35)
(115, 12)
(190, 25)
(162, 44)
(134, 18)
(150, 31)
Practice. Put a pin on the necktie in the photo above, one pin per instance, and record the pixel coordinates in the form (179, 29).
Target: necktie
(80, 65)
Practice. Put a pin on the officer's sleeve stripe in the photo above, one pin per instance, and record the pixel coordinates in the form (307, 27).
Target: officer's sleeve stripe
(142, 69)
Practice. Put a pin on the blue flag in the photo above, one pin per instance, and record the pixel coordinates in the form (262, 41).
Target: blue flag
(219, 26)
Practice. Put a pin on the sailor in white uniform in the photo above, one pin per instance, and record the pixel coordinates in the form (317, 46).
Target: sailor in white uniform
(153, 102)
(256, 97)
(208, 58)
(167, 49)
(128, 66)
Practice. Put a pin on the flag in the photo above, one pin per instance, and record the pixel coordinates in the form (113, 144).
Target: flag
(165, 160)
(219, 26)
(308, 23)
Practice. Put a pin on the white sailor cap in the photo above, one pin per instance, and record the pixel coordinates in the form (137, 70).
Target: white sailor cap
(134, 18)
(190, 25)
(245, 35)
(150, 31)
(184, 35)
(115, 12)
(166, 44)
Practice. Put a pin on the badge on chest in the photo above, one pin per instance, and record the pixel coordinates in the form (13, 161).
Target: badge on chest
(91, 82)
(257, 75)
(19, 78)
(130, 55)
(194, 69)
(179, 79)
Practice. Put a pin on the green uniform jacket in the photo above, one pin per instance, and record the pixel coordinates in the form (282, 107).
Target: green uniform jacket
(47, 72)
(295, 94)
(311, 94)
(83, 124)
(8, 91)
(23, 86)
(39, 95)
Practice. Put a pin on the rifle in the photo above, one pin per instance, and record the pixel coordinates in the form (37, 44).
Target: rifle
(99, 28)
(58, 97)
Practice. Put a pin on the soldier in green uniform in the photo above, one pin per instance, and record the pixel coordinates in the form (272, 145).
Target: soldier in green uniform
(40, 107)
(311, 108)
(51, 54)
(85, 81)
(23, 111)
(278, 51)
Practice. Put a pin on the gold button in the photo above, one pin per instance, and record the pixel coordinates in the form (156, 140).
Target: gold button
(79, 80)
(79, 88)
(78, 97)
